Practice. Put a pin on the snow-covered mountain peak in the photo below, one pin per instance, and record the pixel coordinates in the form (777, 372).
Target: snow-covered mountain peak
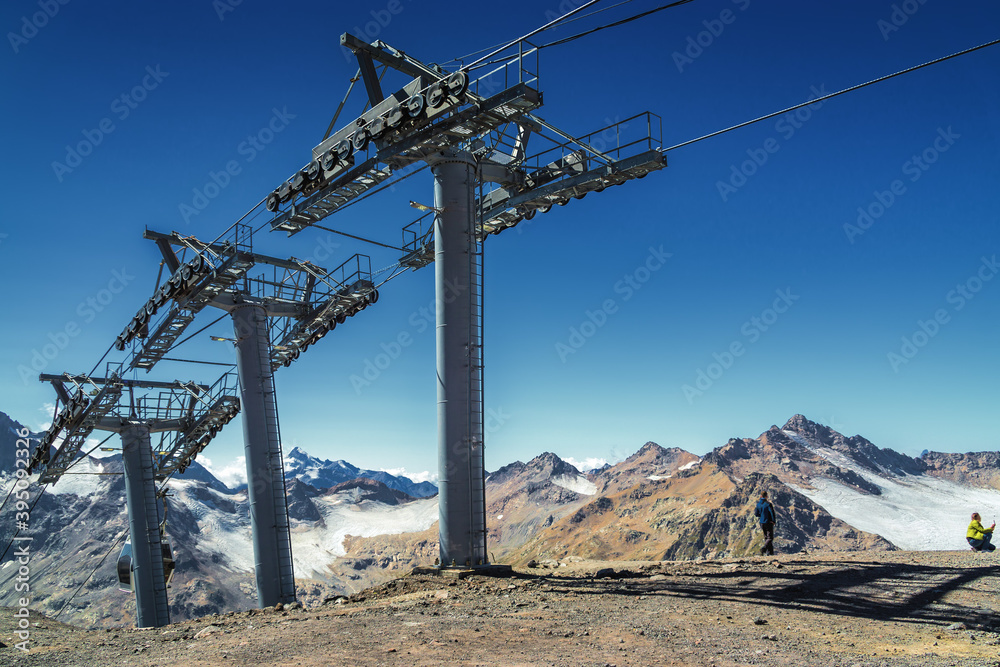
(325, 474)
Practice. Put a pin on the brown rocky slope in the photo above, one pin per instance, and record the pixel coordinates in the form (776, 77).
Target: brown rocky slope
(876, 609)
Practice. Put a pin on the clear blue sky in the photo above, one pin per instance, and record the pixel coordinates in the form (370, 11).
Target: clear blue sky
(740, 245)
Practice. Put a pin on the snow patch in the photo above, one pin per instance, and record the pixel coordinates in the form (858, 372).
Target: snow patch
(658, 478)
(314, 545)
(576, 484)
(690, 464)
(224, 533)
(83, 479)
(914, 512)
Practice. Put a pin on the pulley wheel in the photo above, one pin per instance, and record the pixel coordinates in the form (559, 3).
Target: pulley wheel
(376, 127)
(343, 150)
(415, 105)
(436, 95)
(328, 160)
(395, 117)
(285, 191)
(458, 83)
(273, 201)
(311, 170)
(360, 140)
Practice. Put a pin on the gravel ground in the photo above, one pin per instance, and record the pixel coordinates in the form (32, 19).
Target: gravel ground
(831, 610)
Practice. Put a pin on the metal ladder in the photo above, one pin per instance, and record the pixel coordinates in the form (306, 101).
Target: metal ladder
(476, 402)
(286, 572)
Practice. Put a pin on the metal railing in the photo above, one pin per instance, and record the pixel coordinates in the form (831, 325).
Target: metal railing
(639, 133)
(506, 70)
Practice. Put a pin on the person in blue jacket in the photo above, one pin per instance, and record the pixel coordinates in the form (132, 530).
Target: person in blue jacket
(766, 516)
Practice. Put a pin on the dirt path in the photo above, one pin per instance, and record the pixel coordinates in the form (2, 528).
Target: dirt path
(873, 609)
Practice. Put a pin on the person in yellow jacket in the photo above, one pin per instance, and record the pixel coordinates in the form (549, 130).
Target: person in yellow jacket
(979, 537)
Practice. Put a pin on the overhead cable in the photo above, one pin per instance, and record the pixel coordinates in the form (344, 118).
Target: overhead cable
(839, 92)
(575, 18)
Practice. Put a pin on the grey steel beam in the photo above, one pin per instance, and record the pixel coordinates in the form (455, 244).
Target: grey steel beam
(151, 606)
(402, 63)
(169, 256)
(58, 386)
(222, 248)
(272, 545)
(141, 384)
(369, 76)
(272, 306)
(462, 530)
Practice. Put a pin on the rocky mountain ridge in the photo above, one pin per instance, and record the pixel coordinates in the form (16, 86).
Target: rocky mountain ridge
(324, 474)
(660, 503)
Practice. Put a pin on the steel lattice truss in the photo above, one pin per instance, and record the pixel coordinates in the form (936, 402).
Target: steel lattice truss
(439, 110)
(489, 116)
(303, 301)
(186, 415)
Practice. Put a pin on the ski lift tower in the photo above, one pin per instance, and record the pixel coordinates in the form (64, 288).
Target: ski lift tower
(185, 414)
(277, 312)
(474, 135)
